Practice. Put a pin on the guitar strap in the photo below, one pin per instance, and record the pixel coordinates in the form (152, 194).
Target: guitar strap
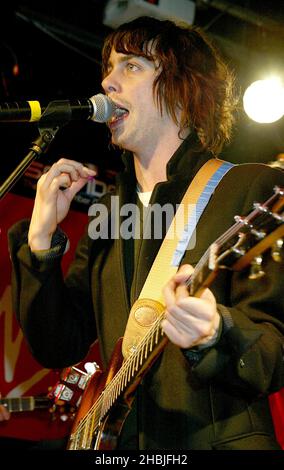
(179, 237)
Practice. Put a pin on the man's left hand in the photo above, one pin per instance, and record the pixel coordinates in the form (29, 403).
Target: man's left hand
(189, 321)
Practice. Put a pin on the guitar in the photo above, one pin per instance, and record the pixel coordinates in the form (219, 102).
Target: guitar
(25, 403)
(108, 397)
(65, 395)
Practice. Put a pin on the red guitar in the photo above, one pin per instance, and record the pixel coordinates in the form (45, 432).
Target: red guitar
(108, 397)
(64, 397)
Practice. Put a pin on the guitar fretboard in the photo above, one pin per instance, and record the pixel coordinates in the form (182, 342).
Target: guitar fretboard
(24, 403)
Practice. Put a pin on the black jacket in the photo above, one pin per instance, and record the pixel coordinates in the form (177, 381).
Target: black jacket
(215, 400)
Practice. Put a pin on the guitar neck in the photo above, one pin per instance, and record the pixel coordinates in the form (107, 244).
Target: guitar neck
(128, 377)
(236, 249)
(25, 403)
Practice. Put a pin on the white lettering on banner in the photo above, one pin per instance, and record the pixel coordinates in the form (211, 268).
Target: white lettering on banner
(93, 190)
(96, 188)
(22, 388)
(12, 349)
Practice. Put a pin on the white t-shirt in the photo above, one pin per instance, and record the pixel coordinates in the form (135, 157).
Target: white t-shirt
(144, 197)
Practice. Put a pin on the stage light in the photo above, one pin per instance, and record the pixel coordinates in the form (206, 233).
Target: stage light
(263, 100)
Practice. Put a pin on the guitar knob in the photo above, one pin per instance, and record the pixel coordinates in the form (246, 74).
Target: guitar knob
(91, 367)
(256, 270)
(64, 418)
(276, 250)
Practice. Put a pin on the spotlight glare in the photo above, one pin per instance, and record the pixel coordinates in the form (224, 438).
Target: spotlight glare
(264, 100)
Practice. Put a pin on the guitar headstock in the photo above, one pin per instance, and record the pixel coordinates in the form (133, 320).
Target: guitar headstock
(245, 242)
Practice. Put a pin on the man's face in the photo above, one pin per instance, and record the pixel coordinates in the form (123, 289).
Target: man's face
(129, 83)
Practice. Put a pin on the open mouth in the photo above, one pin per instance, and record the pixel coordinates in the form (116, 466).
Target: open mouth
(119, 115)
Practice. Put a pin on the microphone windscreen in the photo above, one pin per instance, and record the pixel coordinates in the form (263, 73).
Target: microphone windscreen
(103, 108)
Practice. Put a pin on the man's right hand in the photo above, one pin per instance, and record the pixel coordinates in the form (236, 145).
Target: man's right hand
(55, 191)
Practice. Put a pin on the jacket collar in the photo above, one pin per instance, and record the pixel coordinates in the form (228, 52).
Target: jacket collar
(183, 164)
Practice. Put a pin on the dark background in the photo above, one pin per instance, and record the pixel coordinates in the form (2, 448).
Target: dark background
(52, 50)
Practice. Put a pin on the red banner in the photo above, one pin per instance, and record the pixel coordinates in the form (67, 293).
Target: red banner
(20, 373)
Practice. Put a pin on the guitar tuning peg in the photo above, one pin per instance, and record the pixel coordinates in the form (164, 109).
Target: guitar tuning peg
(256, 270)
(276, 250)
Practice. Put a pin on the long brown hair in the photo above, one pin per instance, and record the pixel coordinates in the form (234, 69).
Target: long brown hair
(192, 77)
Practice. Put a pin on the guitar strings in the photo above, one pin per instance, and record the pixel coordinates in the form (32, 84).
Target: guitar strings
(98, 406)
(114, 388)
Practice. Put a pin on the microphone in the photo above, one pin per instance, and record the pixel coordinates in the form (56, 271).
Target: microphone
(98, 108)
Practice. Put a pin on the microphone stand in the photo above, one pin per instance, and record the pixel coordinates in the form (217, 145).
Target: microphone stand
(56, 115)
